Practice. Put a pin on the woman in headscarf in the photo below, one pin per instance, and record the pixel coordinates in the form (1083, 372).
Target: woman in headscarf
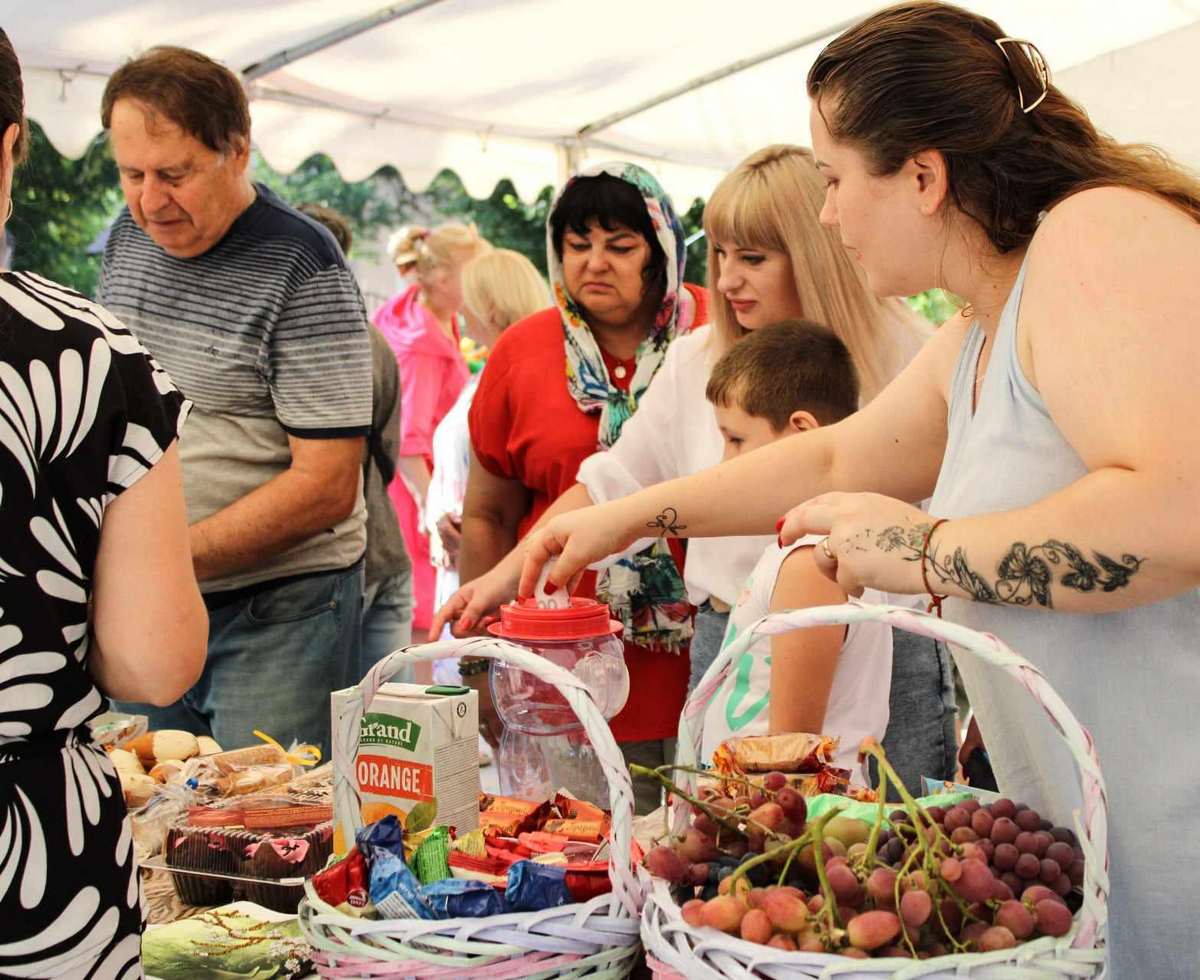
(563, 382)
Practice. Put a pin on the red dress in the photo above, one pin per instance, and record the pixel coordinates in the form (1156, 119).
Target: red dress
(525, 426)
(432, 373)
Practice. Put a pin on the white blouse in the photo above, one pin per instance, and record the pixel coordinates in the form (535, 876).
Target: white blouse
(674, 433)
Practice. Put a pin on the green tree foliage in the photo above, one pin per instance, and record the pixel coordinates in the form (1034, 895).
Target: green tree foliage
(59, 207)
(62, 205)
(936, 305)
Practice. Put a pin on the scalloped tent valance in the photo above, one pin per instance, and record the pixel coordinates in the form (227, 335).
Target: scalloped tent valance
(527, 89)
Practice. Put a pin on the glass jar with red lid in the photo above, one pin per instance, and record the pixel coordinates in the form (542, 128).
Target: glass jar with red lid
(581, 638)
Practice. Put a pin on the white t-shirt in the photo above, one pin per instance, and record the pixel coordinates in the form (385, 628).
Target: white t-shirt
(674, 433)
(862, 682)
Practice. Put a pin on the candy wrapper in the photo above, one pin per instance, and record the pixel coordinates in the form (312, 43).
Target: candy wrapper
(508, 816)
(489, 870)
(470, 844)
(793, 752)
(395, 891)
(584, 830)
(384, 836)
(454, 899)
(345, 885)
(431, 860)
(533, 887)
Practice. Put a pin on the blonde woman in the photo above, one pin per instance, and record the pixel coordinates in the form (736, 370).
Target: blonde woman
(421, 327)
(498, 288)
(769, 259)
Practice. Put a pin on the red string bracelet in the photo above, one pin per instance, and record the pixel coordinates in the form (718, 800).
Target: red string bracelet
(935, 600)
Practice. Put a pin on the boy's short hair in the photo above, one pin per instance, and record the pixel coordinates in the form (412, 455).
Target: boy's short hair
(790, 366)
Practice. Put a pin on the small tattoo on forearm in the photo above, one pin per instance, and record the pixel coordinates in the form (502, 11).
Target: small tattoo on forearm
(667, 523)
(1025, 573)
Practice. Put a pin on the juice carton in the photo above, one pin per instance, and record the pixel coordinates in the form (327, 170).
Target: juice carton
(416, 744)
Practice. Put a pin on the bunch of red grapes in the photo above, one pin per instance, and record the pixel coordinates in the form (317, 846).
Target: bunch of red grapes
(965, 878)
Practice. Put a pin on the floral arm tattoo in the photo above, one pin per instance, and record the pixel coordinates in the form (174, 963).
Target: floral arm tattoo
(1024, 574)
(667, 523)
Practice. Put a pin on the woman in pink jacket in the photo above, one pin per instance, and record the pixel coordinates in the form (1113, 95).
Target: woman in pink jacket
(421, 325)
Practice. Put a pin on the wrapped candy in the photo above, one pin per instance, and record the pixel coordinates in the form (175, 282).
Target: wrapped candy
(344, 883)
(431, 860)
(454, 898)
(384, 836)
(533, 887)
(395, 891)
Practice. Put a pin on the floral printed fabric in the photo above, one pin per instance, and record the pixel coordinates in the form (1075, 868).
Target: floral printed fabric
(84, 414)
(645, 591)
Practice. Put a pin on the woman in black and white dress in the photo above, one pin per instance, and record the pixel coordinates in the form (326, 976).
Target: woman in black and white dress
(97, 597)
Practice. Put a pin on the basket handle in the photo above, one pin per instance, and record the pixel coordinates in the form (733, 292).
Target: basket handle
(1091, 826)
(347, 726)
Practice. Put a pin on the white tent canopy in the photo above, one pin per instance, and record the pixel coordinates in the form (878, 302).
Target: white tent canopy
(525, 89)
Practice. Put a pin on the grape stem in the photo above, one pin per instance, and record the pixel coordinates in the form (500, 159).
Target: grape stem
(869, 855)
(716, 814)
(794, 844)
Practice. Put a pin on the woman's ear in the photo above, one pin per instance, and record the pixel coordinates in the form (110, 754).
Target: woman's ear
(7, 144)
(802, 421)
(932, 180)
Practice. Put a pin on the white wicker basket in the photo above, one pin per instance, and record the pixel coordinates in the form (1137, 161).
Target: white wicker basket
(595, 939)
(676, 949)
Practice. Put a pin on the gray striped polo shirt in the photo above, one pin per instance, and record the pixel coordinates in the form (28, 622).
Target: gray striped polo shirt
(266, 333)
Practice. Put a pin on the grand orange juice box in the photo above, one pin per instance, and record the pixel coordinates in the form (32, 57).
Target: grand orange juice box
(416, 744)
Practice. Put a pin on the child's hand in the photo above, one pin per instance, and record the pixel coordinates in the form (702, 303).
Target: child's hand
(872, 541)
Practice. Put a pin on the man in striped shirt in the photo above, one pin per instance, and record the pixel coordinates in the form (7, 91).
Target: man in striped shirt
(250, 308)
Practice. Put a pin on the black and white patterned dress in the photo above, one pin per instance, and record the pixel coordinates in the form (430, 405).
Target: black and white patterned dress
(84, 414)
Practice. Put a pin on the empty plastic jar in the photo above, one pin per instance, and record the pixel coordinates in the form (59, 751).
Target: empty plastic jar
(582, 639)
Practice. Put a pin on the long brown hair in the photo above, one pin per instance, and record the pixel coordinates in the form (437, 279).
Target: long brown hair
(772, 199)
(12, 97)
(921, 76)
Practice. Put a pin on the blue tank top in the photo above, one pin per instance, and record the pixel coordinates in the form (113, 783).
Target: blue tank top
(1132, 678)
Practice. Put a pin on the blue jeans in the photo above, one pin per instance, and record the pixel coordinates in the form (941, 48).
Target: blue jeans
(919, 740)
(273, 658)
(386, 623)
(707, 640)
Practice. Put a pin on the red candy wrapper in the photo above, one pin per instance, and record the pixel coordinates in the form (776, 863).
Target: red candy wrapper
(345, 883)
(586, 880)
(540, 842)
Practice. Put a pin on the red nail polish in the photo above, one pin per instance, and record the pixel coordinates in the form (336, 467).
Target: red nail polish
(780, 540)
(779, 524)
(551, 588)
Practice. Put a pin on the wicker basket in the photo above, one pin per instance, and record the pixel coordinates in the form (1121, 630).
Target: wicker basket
(597, 939)
(675, 950)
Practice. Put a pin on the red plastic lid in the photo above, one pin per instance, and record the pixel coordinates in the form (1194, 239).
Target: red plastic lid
(584, 618)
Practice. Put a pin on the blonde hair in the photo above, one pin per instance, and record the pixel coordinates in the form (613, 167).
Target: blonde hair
(773, 199)
(503, 286)
(429, 249)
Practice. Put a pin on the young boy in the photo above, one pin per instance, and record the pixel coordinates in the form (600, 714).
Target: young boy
(776, 383)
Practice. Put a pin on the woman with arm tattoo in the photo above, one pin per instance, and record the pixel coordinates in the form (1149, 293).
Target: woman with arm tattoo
(1050, 423)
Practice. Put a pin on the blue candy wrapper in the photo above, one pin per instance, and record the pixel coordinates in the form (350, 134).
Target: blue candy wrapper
(455, 898)
(533, 887)
(395, 891)
(382, 836)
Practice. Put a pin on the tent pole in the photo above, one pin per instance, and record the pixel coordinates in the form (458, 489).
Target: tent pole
(569, 155)
(289, 55)
(713, 76)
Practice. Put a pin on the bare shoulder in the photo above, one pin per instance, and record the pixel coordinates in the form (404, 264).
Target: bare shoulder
(1104, 227)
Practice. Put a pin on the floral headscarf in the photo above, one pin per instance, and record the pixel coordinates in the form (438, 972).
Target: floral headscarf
(644, 591)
